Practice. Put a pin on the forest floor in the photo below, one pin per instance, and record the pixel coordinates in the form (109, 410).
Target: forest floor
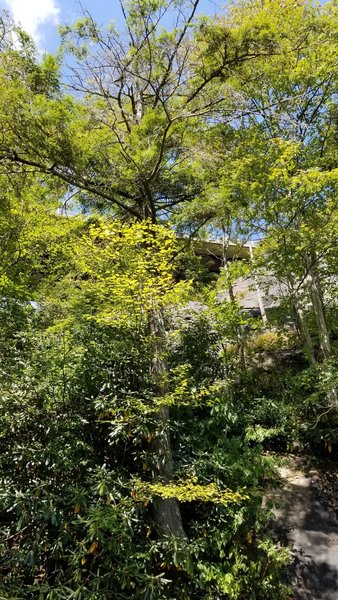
(306, 509)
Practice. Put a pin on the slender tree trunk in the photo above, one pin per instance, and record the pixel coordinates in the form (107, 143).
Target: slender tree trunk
(258, 291)
(318, 311)
(309, 350)
(167, 514)
(239, 332)
(323, 332)
(302, 323)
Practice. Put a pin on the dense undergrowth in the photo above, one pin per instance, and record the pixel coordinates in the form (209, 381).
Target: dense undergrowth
(77, 420)
(76, 513)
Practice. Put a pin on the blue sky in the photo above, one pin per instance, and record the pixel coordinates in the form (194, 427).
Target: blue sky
(40, 18)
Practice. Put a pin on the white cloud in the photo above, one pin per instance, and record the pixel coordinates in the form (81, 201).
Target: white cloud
(31, 14)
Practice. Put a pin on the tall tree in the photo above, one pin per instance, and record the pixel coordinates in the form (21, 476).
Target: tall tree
(280, 166)
(122, 140)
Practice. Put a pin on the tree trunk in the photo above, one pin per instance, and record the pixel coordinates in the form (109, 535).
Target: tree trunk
(167, 514)
(302, 323)
(305, 333)
(318, 310)
(239, 332)
(323, 332)
(258, 291)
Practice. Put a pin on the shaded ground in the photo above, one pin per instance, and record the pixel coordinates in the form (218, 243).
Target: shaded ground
(310, 528)
(325, 477)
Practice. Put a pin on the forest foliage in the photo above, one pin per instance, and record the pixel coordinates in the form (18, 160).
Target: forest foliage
(141, 407)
